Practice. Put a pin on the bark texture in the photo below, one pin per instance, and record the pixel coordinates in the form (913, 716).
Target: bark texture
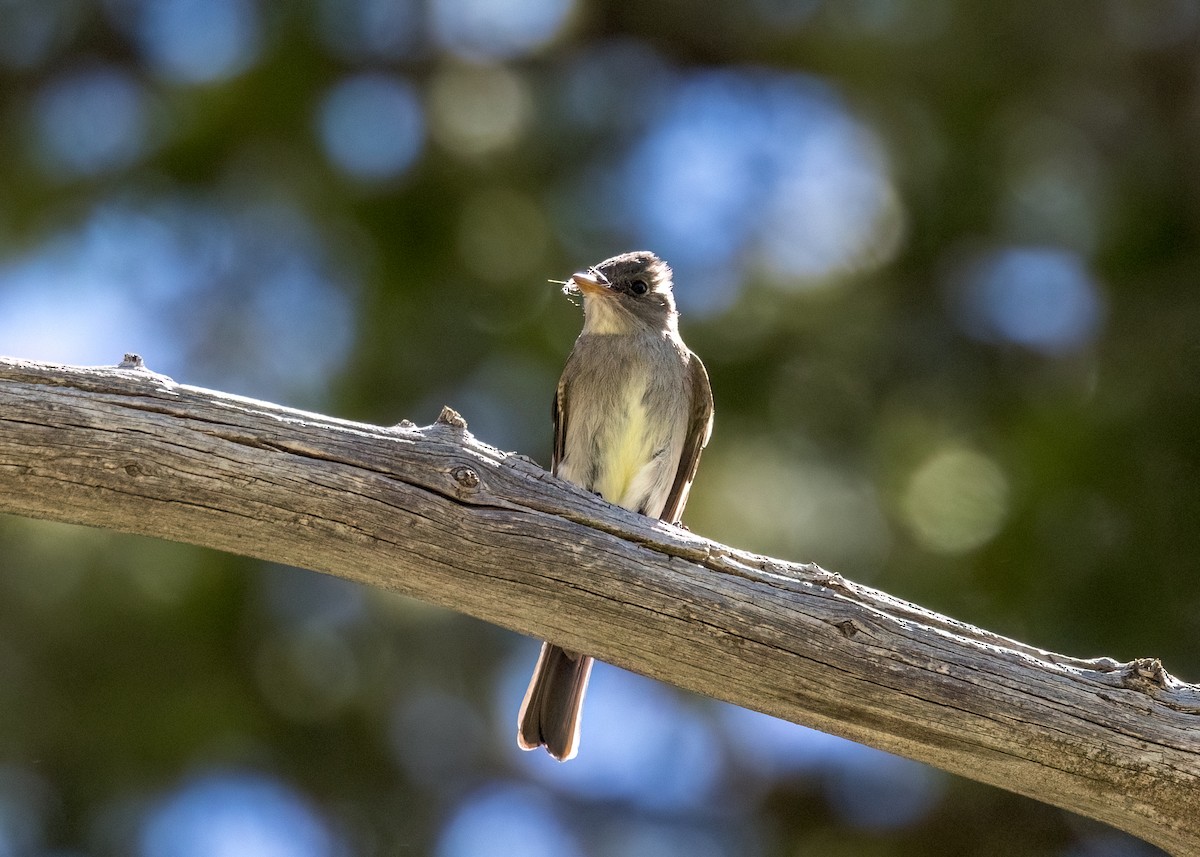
(433, 513)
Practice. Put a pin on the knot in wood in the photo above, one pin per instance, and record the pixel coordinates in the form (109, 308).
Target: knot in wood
(465, 476)
(132, 361)
(848, 627)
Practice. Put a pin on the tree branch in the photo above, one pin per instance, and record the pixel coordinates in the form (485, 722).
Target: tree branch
(435, 514)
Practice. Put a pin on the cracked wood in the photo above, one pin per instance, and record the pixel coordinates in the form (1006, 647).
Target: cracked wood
(435, 514)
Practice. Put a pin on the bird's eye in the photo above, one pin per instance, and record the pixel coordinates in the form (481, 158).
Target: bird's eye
(638, 287)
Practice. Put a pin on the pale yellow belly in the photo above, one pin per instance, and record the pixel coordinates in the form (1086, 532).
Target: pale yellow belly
(628, 472)
(624, 479)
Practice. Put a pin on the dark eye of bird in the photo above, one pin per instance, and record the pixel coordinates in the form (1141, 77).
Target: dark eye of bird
(638, 287)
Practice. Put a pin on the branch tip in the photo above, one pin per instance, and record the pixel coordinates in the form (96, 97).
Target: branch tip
(1145, 674)
(450, 417)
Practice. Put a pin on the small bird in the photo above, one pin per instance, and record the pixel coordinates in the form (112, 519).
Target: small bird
(632, 413)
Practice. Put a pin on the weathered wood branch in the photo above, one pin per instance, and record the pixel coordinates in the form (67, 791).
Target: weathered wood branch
(435, 514)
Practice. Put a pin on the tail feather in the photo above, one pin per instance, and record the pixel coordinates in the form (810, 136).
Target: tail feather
(550, 713)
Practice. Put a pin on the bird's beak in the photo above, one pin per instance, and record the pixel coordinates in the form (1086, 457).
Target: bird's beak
(590, 283)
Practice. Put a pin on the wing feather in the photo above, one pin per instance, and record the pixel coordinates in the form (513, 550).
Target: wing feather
(559, 413)
(699, 430)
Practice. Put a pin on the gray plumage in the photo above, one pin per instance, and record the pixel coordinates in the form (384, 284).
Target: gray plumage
(632, 412)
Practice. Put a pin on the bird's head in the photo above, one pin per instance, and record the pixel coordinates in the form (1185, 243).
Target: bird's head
(625, 292)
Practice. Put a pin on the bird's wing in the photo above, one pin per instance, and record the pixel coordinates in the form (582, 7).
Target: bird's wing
(558, 411)
(699, 430)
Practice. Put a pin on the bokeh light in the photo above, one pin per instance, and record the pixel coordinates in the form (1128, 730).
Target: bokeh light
(197, 41)
(497, 29)
(366, 29)
(90, 121)
(956, 500)
(506, 819)
(235, 815)
(643, 744)
(759, 170)
(372, 126)
(476, 110)
(130, 273)
(614, 87)
(795, 506)
(1043, 298)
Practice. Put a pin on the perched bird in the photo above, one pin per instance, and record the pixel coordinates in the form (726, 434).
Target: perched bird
(632, 413)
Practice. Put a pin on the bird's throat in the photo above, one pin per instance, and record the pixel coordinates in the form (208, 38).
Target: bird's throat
(603, 315)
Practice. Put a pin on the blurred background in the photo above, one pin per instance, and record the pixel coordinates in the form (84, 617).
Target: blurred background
(940, 259)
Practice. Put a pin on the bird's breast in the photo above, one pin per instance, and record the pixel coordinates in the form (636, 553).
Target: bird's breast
(625, 431)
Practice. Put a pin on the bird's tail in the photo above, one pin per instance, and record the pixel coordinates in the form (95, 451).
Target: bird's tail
(553, 703)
